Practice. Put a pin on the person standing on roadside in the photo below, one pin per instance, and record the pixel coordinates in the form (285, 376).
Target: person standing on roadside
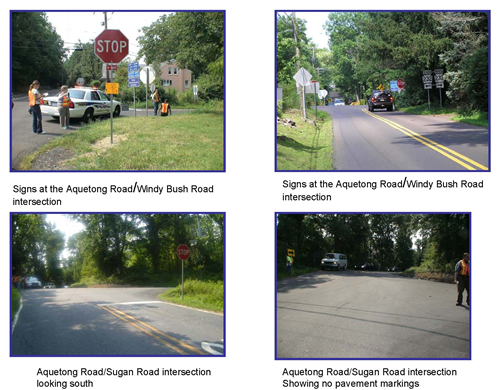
(34, 99)
(462, 275)
(156, 101)
(63, 100)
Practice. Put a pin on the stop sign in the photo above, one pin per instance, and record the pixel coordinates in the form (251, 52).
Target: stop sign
(183, 252)
(401, 83)
(111, 46)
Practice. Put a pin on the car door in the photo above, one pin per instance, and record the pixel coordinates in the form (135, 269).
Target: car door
(106, 102)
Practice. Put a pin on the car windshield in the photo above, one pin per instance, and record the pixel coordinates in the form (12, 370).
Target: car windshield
(77, 93)
(330, 256)
(339, 101)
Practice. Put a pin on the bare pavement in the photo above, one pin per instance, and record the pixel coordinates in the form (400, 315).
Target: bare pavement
(357, 314)
(112, 322)
(395, 141)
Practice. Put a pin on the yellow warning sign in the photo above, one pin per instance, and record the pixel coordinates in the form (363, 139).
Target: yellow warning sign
(112, 88)
(291, 252)
(381, 87)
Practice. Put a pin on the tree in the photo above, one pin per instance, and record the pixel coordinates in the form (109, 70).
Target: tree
(194, 40)
(84, 63)
(37, 51)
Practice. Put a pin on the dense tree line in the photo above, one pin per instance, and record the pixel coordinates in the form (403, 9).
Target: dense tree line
(118, 247)
(367, 49)
(373, 48)
(405, 240)
(37, 51)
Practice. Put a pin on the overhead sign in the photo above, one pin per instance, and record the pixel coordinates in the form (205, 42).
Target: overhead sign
(111, 46)
(112, 88)
(183, 252)
(401, 83)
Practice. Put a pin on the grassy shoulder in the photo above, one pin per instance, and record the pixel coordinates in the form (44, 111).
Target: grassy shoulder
(192, 141)
(16, 301)
(428, 272)
(206, 295)
(307, 145)
(477, 118)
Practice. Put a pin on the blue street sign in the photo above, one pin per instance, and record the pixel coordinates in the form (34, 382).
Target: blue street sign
(133, 66)
(394, 86)
(133, 74)
(133, 80)
(133, 84)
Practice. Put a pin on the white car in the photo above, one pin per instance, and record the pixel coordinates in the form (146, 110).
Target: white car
(336, 261)
(49, 285)
(86, 103)
(33, 282)
(339, 102)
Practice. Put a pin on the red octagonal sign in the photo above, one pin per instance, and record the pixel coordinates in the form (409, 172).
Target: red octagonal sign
(401, 83)
(111, 46)
(183, 252)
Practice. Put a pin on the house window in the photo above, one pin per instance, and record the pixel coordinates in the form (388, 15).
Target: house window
(169, 70)
(176, 71)
(186, 83)
(167, 83)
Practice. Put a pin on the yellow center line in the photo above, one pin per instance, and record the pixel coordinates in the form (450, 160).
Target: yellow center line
(430, 143)
(134, 322)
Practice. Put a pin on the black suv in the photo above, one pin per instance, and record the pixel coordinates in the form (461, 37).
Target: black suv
(381, 99)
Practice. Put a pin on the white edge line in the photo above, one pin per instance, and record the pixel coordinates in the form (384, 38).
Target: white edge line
(166, 303)
(16, 317)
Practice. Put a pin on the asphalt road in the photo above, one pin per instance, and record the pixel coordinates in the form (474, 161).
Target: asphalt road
(112, 321)
(393, 141)
(356, 314)
(25, 142)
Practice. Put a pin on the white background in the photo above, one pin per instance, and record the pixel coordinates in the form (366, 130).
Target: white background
(250, 193)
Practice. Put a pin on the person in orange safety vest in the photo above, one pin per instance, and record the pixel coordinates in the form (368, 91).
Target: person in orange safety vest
(63, 104)
(165, 108)
(34, 100)
(462, 275)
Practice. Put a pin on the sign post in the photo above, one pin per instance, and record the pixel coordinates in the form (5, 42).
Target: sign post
(427, 79)
(111, 46)
(133, 79)
(303, 77)
(439, 79)
(146, 73)
(315, 83)
(183, 254)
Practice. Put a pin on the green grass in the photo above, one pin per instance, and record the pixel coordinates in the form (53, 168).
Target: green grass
(179, 142)
(305, 147)
(16, 301)
(206, 295)
(478, 118)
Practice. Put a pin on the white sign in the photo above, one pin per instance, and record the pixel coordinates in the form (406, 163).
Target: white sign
(323, 93)
(80, 81)
(144, 74)
(302, 77)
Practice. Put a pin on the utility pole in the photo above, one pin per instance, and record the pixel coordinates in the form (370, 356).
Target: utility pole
(297, 54)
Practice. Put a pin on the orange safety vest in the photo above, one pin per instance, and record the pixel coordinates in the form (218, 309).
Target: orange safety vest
(465, 268)
(65, 102)
(164, 108)
(32, 98)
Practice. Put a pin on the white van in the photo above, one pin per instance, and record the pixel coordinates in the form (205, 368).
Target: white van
(336, 261)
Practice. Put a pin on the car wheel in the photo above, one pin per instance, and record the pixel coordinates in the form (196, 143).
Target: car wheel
(88, 116)
(390, 108)
(116, 112)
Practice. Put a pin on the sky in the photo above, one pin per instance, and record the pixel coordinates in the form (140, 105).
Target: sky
(66, 225)
(314, 25)
(85, 26)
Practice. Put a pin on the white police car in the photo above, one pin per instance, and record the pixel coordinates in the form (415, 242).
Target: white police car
(86, 103)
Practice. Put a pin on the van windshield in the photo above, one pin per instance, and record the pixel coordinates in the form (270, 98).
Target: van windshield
(330, 255)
